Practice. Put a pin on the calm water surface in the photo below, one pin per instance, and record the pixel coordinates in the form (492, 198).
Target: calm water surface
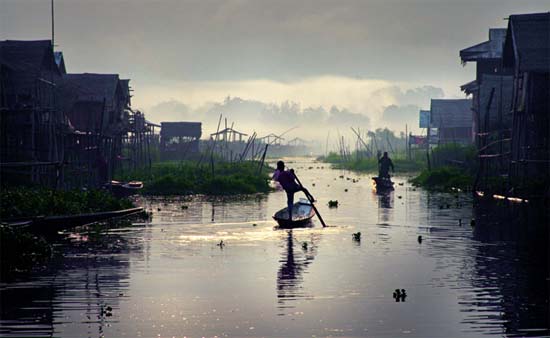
(171, 277)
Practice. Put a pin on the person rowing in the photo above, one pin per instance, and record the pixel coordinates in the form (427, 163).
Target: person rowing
(287, 180)
(385, 163)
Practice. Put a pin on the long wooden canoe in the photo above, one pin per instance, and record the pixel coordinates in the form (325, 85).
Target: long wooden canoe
(49, 224)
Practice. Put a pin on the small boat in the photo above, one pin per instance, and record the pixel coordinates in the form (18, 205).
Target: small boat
(124, 189)
(383, 183)
(302, 213)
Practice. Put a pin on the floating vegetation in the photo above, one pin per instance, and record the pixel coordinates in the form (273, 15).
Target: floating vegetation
(187, 178)
(445, 178)
(28, 202)
(399, 295)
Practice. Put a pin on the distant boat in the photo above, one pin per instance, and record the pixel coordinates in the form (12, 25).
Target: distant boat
(383, 183)
(302, 213)
(125, 189)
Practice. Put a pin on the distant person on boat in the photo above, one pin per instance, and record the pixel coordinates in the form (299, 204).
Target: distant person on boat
(287, 180)
(384, 164)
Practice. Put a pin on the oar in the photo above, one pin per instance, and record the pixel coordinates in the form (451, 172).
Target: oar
(311, 200)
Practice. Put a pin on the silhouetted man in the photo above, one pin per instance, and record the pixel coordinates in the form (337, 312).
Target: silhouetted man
(385, 163)
(287, 179)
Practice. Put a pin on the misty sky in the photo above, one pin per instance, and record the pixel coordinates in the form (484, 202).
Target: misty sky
(362, 56)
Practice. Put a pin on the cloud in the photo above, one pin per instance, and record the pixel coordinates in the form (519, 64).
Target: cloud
(314, 105)
(396, 117)
(175, 109)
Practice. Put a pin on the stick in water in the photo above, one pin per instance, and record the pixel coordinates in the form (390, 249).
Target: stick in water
(311, 200)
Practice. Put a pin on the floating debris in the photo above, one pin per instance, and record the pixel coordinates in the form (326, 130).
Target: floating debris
(459, 222)
(333, 204)
(345, 190)
(158, 209)
(419, 239)
(254, 224)
(185, 207)
(473, 223)
(400, 183)
(356, 236)
(399, 295)
(304, 245)
(400, 197)
(221, 244)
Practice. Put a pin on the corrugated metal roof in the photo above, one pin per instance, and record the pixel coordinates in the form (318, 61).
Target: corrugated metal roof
(455, 113)
(528, 37)
(491, 49)
(175, 129)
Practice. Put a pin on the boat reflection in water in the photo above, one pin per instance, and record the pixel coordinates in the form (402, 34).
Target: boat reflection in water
(294, 264)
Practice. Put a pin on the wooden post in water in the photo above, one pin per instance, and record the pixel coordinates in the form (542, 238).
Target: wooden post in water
(263, 159)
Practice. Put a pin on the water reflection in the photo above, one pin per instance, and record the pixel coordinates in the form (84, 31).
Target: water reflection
(169, 278)
(293, 266)
(88, 280)
(511, 269)
(385, 203)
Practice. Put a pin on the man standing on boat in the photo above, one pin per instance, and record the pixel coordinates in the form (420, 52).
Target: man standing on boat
(385, 163)
(287, 179)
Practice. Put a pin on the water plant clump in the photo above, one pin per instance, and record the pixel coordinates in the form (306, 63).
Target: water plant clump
(37, 201)
(333, 204)
(185, 178)
(445, 179)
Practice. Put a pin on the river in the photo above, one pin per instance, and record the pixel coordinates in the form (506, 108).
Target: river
(220, 267)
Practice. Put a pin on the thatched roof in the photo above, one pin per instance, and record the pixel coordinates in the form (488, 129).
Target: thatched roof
(28, 56)
(92, 87)
(527, 44)
(455, 113)
(26, 62)
(183, 129)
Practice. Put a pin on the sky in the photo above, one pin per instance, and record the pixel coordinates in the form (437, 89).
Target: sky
(380, 60)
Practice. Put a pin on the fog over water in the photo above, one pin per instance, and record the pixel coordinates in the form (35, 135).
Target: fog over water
(318, 65)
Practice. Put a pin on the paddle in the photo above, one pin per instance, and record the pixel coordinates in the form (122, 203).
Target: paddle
(311, 200)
